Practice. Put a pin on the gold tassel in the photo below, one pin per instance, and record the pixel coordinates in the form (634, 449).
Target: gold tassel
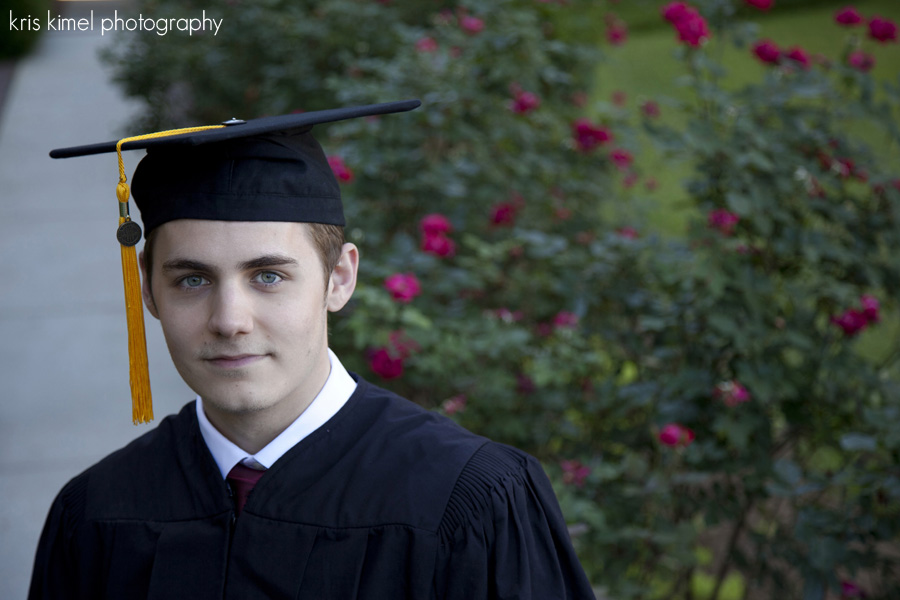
(138, 368)
(129, 234)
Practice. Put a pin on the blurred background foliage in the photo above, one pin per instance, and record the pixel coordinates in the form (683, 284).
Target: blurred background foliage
(667, 269)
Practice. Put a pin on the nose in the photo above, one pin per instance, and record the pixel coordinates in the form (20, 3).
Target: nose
(231, 311)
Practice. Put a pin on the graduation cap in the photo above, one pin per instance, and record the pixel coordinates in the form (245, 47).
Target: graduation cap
(266, 169)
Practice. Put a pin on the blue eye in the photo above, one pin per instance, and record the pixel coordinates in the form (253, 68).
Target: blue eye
(268, 278)
(193, 281)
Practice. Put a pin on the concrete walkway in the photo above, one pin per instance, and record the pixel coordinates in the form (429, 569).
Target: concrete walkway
(64, 395)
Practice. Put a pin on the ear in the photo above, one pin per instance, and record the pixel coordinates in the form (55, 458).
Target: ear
(343, 279)
(146, 292)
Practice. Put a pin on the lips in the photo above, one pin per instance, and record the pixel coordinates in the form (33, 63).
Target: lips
(234, 361)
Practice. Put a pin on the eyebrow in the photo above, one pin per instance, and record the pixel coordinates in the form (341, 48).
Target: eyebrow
(266, 260)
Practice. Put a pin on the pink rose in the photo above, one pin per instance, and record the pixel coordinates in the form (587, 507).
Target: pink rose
(403, 287)
(340, 170)
(401, 345)
(799, 55)
(650, 109)
(453, 405)
(767, 51)
(760, 4)
(619, 98)
(565, 319)
(843, 166)
(731, 393)
(574, 473)
(674, 435)
(848, 16)
(689, 24)
(861, 61)
(629, 233)
(617, 32)
(852, 321)
(850, 590)
(693, 31)
(504, 214)
(525, 384)
(621, 158)
(508, 316)
(471, 25)
(384, 365)
(588, 136)
(524, 102)
(722, 220)
(870, 306)
(435, 224)
(882, 30)
(426, 44)
(439, 245)
(676, 11)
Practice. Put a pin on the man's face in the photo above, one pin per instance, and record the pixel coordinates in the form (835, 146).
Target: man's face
(243, 307)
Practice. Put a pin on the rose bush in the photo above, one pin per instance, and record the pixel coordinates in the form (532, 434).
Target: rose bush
(689, 394)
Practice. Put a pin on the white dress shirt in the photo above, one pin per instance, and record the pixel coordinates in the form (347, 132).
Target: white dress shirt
(334, 394)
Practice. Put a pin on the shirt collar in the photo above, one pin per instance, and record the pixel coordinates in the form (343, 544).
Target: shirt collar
(334, 394)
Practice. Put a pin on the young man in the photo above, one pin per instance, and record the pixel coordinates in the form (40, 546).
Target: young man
(288, 477)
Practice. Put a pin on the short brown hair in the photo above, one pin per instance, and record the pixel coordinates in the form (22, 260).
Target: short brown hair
(328, 240)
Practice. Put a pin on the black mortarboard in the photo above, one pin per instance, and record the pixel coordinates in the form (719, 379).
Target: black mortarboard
(266, 169)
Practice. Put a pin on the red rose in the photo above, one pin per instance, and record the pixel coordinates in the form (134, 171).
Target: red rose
(439, 245)
(760, 4)
(673, 435)
(731, 393)
(524, 102)
(401, 345)
(426, 44)
(850, 590)
(588, 136)
(722, 220)
(617, 33)
(693, 30)
(882, 30)
(676, 11)
(403, 287)
(767, 51)
(384, 365)
(471, 25)
(848, 16)
(565, 319)
(861, 61)
(621, 158)
(453, 405)
(870, 306)
(340, 170)
(650, 109)
(799, 55)
(504, 214)
(435, 224)
(852, 321)
(629, 233)
(574, 473)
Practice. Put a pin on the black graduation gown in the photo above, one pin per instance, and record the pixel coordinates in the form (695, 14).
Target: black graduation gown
(386, 500)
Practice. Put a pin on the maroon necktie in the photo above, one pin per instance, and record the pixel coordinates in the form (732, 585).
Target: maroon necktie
(242, 480)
